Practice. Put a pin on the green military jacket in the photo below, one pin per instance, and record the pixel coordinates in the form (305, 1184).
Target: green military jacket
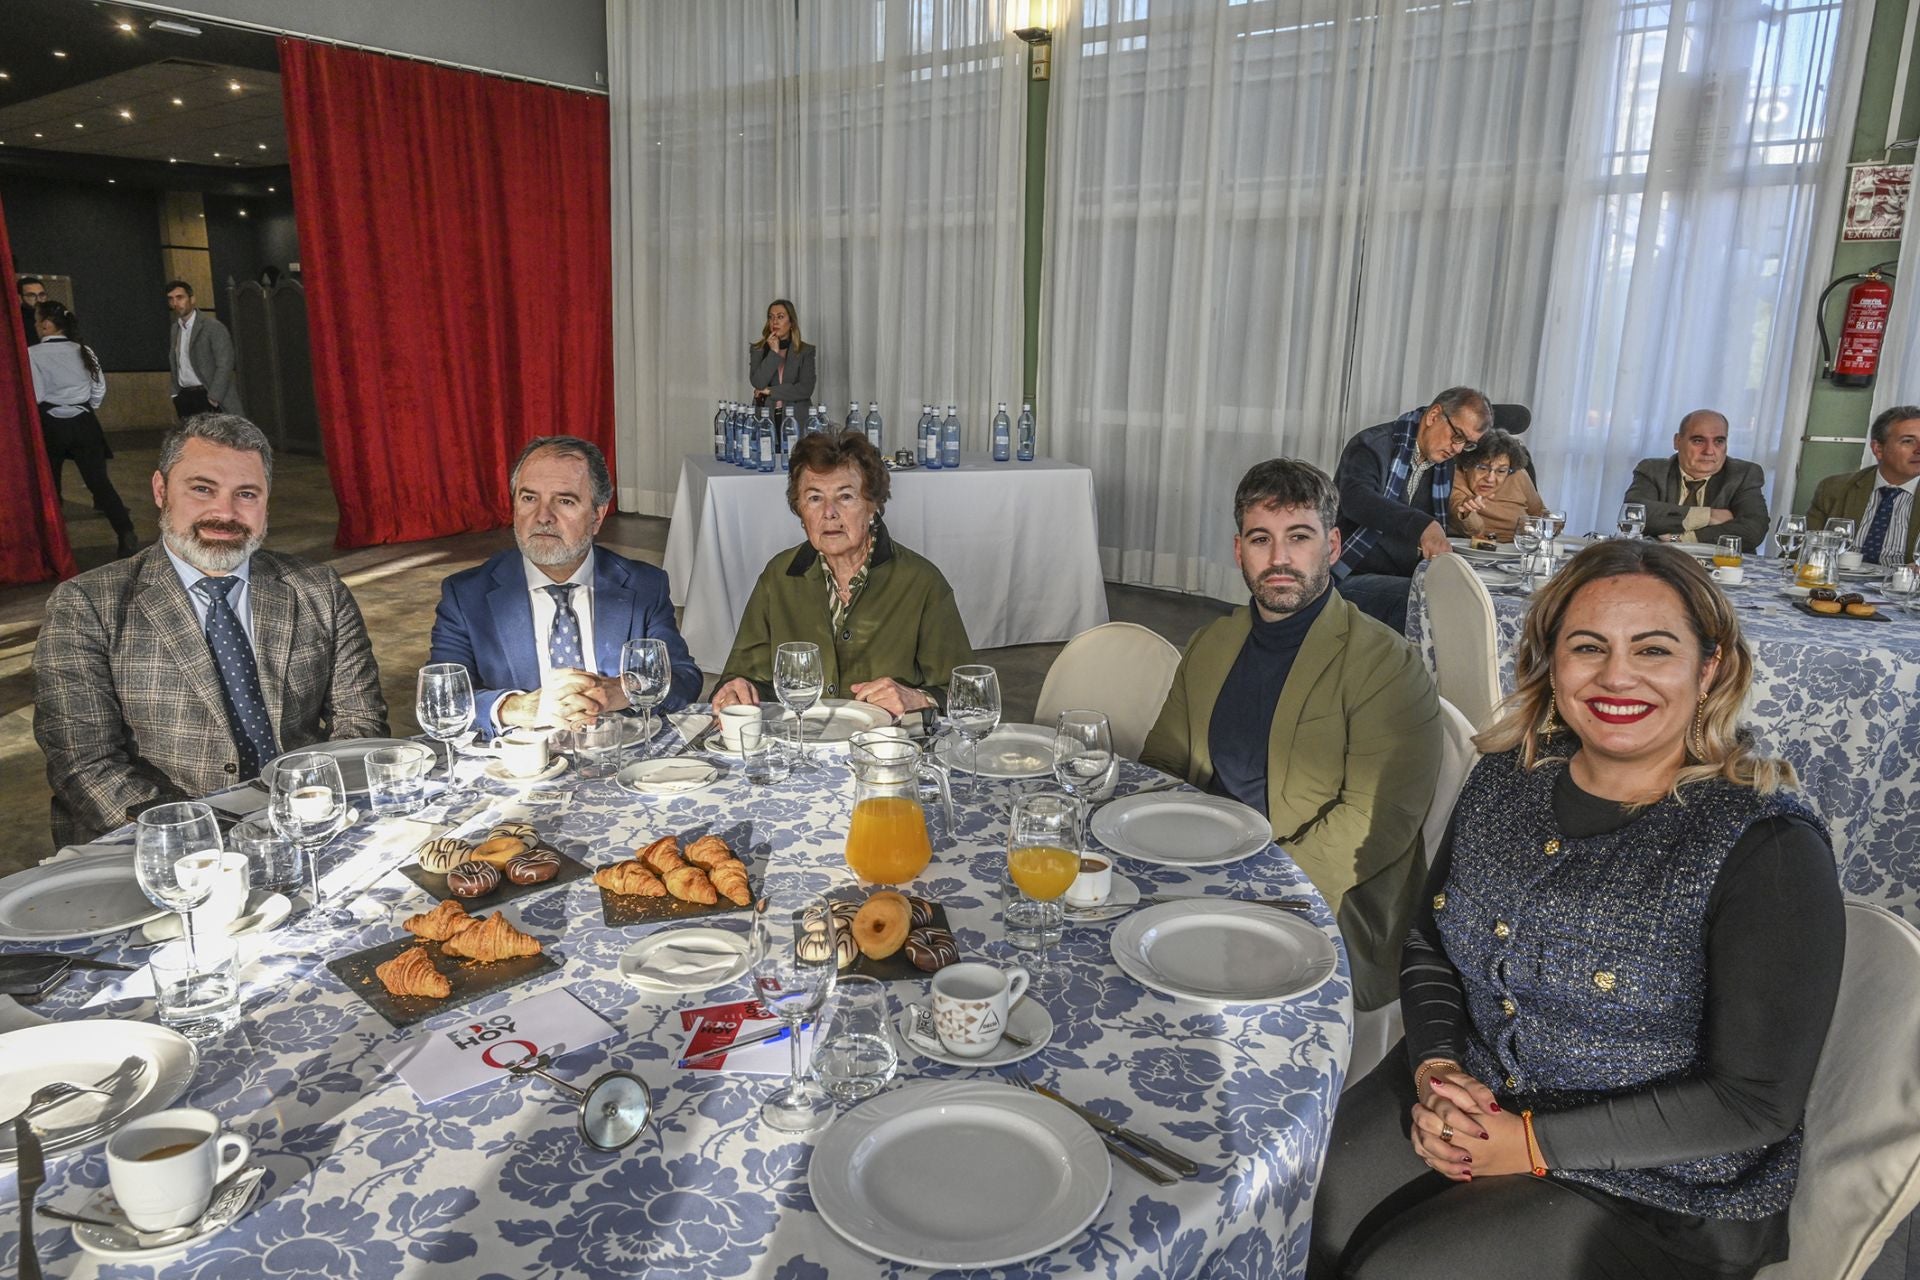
(904, 624)
(1353, 755)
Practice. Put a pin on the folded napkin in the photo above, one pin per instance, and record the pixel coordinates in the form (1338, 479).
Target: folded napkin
(669, 776)
(685, 960)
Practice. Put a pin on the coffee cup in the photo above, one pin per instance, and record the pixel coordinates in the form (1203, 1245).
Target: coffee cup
(1851, 559)
(225, 875)
(971, 1003)
(1730, 575)
(1094, 883)
(731, 718)
(164, 1167)
(522, 752)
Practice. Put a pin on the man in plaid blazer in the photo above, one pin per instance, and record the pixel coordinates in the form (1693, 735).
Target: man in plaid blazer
(130, 705)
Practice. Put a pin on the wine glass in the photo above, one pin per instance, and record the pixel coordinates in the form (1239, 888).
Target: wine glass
(169, 862)
(1527, 536)
(1633, 518)
(1043, 859)
(1787, 538)
(797, 681)
(443, 704)
(973, 708)
(792, 988)
(1842, 531)
(1083, 759)
(308, 805)
(646, 674)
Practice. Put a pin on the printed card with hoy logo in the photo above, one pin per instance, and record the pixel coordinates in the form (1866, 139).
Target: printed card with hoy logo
(439, 1064)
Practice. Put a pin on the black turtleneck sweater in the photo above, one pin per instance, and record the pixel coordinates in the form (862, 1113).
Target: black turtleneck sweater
(1243, 714)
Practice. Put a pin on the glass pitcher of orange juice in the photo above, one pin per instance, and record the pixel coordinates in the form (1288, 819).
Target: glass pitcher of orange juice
(1819, 557)
(887, 842)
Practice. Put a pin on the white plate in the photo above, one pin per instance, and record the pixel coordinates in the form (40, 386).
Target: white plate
(668, 776)
(86, 1051)
(74, 898)
(105, 1244)
(555, 767)
(1029, 1020)
(1123, 897)
(685, 960)
(1181, 829)
(1010, 751)
(835, 720)
(1473, 555)
(959, 1173)
(350, 752)
(1227, 953)
(265, 910)
(1865, 573)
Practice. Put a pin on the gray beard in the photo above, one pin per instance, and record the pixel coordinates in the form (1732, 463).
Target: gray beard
(205, 556)
(547, 553)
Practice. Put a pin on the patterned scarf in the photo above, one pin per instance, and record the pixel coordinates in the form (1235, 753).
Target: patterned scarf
(1406, 450)
(838, 609)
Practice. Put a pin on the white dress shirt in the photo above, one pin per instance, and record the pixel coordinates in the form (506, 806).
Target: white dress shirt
(240, 598)
(183, 338)
(1896, 542)
(61, 379)
(543, 613)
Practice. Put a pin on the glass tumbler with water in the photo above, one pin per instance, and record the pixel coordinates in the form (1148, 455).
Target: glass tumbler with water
(1633, 519)
(853, 1054)
(196, 986)
(768, 746)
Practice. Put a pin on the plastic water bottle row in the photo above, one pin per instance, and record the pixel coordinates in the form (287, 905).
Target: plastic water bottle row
(764, 439)
(937, 439)
(757, 440)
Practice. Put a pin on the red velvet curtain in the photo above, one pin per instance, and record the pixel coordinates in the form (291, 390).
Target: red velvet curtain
(456, 249)
(33, 546)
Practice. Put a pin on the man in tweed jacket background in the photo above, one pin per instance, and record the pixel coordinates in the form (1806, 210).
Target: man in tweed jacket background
(181, 670)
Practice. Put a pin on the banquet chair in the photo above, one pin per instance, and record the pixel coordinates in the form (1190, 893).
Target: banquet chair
(1120, 668)
(1860, 1162)
(1466, 654)
(1377, 1030)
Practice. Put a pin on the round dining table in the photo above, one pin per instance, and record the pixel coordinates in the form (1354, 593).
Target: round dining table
(364, 1181)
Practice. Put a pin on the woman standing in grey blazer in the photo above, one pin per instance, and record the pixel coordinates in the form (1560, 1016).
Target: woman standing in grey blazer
(780, 365)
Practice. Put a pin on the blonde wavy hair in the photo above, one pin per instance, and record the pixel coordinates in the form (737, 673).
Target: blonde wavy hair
(793, 325)
(1716, 746)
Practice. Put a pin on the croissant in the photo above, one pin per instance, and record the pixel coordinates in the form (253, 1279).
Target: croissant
(411, 973)
(440, 923)
(729, 876)
(631, 878)
(707, 851)
(491, 938)
(690, 884)
(663, 855)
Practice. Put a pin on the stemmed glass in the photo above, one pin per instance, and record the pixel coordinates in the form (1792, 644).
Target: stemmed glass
(973, 708)
(443, 704)
(168, 842)
(1787, 539)
(797, 681)
(1527, 536)
(1043, 859)
(1083, 758)
(792, 988)
(646, 674)
(1633, 518)
(308, 805)
(1903, 587)
(1842, 531)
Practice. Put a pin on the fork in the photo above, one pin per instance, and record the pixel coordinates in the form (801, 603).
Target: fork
(1113, 1145)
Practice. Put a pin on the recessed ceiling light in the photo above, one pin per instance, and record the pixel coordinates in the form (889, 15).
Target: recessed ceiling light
(125, 26)
(234, 85)
(216, 155)
(125, 114)
(112, 181)
(5, 76)
(173, 159)
(178, 103)
(261, 145)
(59, 53)
(243, 213)
(39, 135)
(78, 125)
(271, 190)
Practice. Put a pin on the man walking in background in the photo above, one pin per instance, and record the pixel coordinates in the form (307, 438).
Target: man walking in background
(200, 358)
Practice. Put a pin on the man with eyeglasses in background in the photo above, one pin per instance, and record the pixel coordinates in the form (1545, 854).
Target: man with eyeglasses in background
(1700, 494)
(33, 292)
(1396, 484)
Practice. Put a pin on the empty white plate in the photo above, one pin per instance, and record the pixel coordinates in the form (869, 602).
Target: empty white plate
(835, 720)
(88, 1051)
(668, 775)
(1226, 952)
(959, 1173)
(1011, 751)
(80, 897)
(685, 960)
(1181, 829)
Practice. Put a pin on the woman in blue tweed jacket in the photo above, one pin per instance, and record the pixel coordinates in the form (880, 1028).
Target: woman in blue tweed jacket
(1618, 987)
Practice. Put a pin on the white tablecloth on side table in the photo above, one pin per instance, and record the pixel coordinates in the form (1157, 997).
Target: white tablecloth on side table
(1018, 540)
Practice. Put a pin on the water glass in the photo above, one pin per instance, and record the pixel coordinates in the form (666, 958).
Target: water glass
(169, 840)
(308, 805)
(1527, 537)
(798, 678)
(853, 1053)
(792, 984)
(397, 778)
(973, 709)
(768, 746)
(196, 985)
(1903, 587)
(1633, 518)
(646, 676)
(1788, 537)
(1084, 762)
(273, 861)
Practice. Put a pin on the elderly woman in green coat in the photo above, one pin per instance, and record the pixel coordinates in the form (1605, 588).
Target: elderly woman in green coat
(883, 616)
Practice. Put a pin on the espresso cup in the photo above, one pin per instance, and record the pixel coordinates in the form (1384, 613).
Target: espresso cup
(1095, 881)
(1851, 559)
(731, 718)
(1732, 575)
(522, 752)
(225, 874)
(971, 1002)
(164, 1167)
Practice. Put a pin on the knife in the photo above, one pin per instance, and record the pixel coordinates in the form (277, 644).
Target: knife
(77, 962)
(1283, 904)
(1172, 1159)
(32, 1174)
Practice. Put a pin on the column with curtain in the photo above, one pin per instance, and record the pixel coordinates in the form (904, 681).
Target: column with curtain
(35, 547)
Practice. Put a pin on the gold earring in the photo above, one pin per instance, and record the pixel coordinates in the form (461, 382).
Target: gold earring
(1700, 729)
(1549, 726)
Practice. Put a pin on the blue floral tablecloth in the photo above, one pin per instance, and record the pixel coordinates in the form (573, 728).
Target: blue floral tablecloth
(1838, 697)
(367, 1183)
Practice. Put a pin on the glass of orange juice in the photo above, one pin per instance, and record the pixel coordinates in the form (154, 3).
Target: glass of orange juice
(1726, 553)
(1043, 857)
(887, 841)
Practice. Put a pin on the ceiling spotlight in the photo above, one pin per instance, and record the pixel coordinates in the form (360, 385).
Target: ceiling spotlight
(59, 53)
(112, 181)
(78, 125)
(39, 135)
(216, 155)
(271, 190)
(178, 28)
(125, 26)
(177, 102)
(5, 76)
(234, 85)
(261, 145)
(173, 159)
(125, 114)
(243, 213)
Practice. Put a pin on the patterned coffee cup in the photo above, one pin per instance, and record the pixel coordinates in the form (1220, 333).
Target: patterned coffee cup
(971, 1003)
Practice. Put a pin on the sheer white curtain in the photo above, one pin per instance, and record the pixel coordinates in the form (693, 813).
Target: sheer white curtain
(1898, 382)
(864, 158)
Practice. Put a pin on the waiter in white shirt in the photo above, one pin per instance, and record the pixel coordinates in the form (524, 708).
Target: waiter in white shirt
(200, 357)
(68, 385)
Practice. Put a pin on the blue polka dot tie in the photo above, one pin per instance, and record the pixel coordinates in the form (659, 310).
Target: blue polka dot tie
(563, 642)
(1875, 542)
(239, 679)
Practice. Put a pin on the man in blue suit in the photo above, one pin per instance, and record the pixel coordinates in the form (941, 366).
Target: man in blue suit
(540, 627)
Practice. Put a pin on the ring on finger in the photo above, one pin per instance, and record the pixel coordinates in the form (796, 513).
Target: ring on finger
(1446, 1132)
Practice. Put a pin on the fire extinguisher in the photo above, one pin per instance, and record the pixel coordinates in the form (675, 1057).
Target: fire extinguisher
(1863, 329)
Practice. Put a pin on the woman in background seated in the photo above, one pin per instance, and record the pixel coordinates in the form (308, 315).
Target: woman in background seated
(1498, 490)
(884, 617)
(781, 366)
(1621, 976)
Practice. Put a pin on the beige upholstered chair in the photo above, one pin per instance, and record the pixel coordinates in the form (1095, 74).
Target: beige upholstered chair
(1860, 1167)
(1120, 668)
(1466, 655)
(1377, 1030)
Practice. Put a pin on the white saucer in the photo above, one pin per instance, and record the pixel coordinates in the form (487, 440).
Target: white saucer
(645, 963)
(1122, 898)
(265, 910)
(1029, 1020)
(105, 1244)
(668, 776)
(555, 767)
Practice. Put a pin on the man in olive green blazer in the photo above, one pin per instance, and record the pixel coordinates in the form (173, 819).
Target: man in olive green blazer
(1346, 767)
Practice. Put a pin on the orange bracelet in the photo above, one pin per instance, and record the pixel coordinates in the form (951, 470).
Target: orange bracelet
(1535, 1157)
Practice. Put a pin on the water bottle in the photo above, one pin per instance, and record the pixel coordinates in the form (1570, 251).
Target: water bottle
(733, 433)
(928, 441)
(853, 416)
(1026, 433)
(1002, 435)
(817, 420)
(789, 437)
(720, 431)
(950, 439)
(763, 442)
(875, 428)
